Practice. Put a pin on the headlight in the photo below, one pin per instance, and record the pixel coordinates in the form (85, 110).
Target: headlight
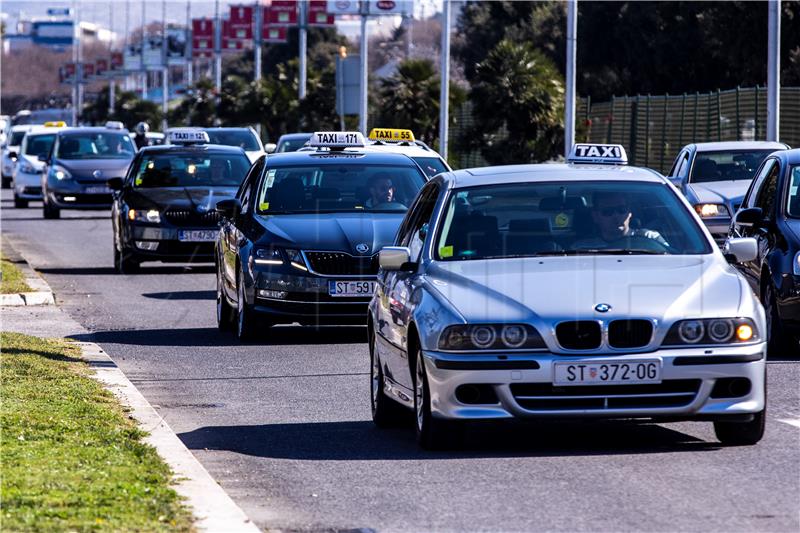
(60, 173)
(796, 264)
(27, 168)
(140, 215)
(711, 331)
(296, 259)
(268, 256)
(490, 337)
(711, 210)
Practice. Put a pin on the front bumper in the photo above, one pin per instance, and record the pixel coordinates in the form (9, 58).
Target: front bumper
(155, 243)
(28, 186)
(718, 227)
(522, 386)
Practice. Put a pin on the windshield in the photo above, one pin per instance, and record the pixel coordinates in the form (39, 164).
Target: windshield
(793, 204)
(241, 138)
(567, 218)
(430, 165)
(16, 138)
(37, 145)
(339, 187)
(191, 170)
(727, 165)
(95, 145)
(291, 145)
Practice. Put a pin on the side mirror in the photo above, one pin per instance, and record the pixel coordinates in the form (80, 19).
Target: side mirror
(229, 208)
(115, 184)
(677, 181)
(12, 155)
(740, 250)
(749, 218)
(270, 148)
(394, 258)
(44, 158)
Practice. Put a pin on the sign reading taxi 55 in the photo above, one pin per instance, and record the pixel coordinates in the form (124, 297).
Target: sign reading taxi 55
(598, 153)
(389, 134)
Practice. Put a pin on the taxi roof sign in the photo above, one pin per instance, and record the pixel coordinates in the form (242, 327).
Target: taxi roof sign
(391, 135)
(55, 124)
(188, 136)
(115, 125)
(337, 139)
(604, 154)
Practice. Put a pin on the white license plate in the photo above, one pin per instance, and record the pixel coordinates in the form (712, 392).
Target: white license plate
(99, 189)
(203, 235)
(607, 372)
(351, 288)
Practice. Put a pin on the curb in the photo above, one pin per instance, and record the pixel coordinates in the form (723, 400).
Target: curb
(211, 506)
(41, 294)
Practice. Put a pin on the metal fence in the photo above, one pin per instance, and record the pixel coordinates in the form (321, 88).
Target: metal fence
(654, 128)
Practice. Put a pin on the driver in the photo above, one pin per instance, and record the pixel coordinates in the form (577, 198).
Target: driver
(381, 190)
(218, 170)
(612, 215)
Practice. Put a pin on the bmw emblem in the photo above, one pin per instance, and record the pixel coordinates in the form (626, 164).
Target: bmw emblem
(97, 173)
(602, 308)
(362, 248)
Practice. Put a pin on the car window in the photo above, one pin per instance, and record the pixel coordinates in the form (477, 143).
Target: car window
(95, 145)
(241, 138)
(338, 187)
(246, 190)
(291, 145)
(190, 170)
(430, 165)
(16, 138)
(752, 192)
(421, 216)
(36, 145)
(765, 198)
(683, 165)
(576, 217)
(793, 200)
(727, 165)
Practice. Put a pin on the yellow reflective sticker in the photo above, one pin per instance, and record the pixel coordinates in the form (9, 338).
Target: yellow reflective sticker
(138, 180)
(263, 206)
(446, 251)
(562, 220)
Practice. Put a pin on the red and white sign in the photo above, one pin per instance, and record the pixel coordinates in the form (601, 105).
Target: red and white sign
(88, 70)
(389, 7)
(241, 23)
(229, 41)
(343, 7)
(101, 67)
(318, 13)
(117, 60)
(275, 34)
(283, 13)
(202, 37)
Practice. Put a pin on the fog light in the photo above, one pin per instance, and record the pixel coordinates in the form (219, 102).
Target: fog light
(147, 245)
(275, 295)
(744, 332)
(69, 198)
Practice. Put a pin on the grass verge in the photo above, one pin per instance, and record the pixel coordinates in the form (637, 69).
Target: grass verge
(71, 459)
(12, 281)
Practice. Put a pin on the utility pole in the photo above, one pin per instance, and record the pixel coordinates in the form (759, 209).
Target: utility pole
(217, 48)
(164, 67)
(111, 80)
(303, 46)
(774, 71)
(141, 55)
(190, 44)
(127, 83)
(363, 107)
(79, 66)
(75, 39)
(569, 107)
(257, 35)
(444, 93)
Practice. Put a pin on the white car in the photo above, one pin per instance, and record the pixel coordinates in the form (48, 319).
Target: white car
(10, 152)
(564, 291)
(403, 142)
(35, 147)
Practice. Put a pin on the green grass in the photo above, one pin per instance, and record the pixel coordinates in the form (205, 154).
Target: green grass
(12, 279)
(72, 460)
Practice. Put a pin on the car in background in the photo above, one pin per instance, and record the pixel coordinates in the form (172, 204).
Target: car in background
(403, 142)
(714, 177)
(291, 142)
(10, 153)
(245, 138)
(771, 215)
(5, 125)
(79, 166)
(35, 147)
(164, 207)
(155, 138)
(563, 291)
(299, 242)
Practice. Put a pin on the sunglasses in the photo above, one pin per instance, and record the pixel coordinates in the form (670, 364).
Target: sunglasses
(614, 210)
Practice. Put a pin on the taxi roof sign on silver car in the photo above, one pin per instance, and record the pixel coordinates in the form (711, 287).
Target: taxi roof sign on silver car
(188, 136)
(337, 139)
(115, 125)
(604, 154)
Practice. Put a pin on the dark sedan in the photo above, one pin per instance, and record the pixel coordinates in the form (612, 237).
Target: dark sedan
(299, 242)
(164, 208)
(771, 213)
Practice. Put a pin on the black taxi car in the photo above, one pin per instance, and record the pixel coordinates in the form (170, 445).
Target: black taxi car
(300, 241)
(163, 208)
(770, 213)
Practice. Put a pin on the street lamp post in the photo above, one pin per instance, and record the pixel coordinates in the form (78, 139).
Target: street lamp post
(773, 71)
(444, 93)
(569, 108)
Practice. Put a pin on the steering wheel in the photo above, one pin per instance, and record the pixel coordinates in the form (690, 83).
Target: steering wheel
(640, 242)
(389, 206)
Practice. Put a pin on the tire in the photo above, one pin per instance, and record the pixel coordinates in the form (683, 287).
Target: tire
(6, 183)
(743, 433)
(225, 311)
(246, 319)
(779, 343)
(125, 262)
(432, 433)
(386, 412)
(20, 203)
(50, 213)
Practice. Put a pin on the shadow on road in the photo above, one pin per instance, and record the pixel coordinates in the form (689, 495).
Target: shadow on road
(279, 335)
(145, 270)
(362, 441)
(182, 295)
(12, 218)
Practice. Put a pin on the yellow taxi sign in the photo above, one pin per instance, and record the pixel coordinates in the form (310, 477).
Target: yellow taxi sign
(55, 124)
(391, 135)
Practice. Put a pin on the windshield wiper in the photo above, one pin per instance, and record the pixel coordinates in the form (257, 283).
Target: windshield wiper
(611, 251)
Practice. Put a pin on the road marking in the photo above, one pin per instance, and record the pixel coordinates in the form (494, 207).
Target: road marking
(791, 422)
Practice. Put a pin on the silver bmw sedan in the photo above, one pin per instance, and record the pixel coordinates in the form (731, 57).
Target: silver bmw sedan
(589, 289)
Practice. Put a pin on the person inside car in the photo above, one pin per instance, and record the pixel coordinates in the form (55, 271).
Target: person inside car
(382, 193)
(611, 215)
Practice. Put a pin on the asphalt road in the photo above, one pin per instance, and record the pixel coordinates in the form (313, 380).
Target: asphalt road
(284, 425)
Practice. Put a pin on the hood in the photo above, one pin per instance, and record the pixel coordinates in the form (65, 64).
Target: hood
(84, 168)
(552, 289)
(719, 192)
(332, 232)
(33, 161)
(200, 199)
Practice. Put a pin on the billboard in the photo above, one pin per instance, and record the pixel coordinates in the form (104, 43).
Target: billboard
(343, 7)
(389, 7)
(177, 43)
(241, 23)
(230, 43)
(318, 13)
(202, 37)
(283, 13)
(101, 68)
(153, 50)
(117, 61)
(132, 57)
(275, 34)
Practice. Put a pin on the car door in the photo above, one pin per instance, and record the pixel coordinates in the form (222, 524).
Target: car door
(680, 169)
(763, 195)
(230, 231)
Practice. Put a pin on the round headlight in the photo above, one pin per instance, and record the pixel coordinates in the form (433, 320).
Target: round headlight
(483, 336)
(691, 331)
(454, 338)
(720, 330)
(514, 336)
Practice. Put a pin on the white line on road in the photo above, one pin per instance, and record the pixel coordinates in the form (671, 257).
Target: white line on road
(791, 422)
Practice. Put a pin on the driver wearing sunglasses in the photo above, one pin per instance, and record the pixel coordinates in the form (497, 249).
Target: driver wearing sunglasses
(611, 214)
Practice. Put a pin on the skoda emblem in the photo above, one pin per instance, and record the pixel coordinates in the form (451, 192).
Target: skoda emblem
(362, 248)
(97, 173)
(202, 208)
(602, 308)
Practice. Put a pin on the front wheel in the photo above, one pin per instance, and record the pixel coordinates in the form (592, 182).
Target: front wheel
(432, 433)
(50, 212)
(125, 263)
(385, 411)
(779, 343)
(246, 319)
(741, 433)
(20, 203)
(224, 309)
(6, 183)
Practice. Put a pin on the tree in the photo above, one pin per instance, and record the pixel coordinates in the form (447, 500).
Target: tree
(128, 108)
(198, 108)
(519, 90)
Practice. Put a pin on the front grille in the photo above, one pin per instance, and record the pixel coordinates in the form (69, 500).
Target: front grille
(579, 335)
(630, 333)
(32, 190)
(546, 396)
(342, 264)
(189, 218)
